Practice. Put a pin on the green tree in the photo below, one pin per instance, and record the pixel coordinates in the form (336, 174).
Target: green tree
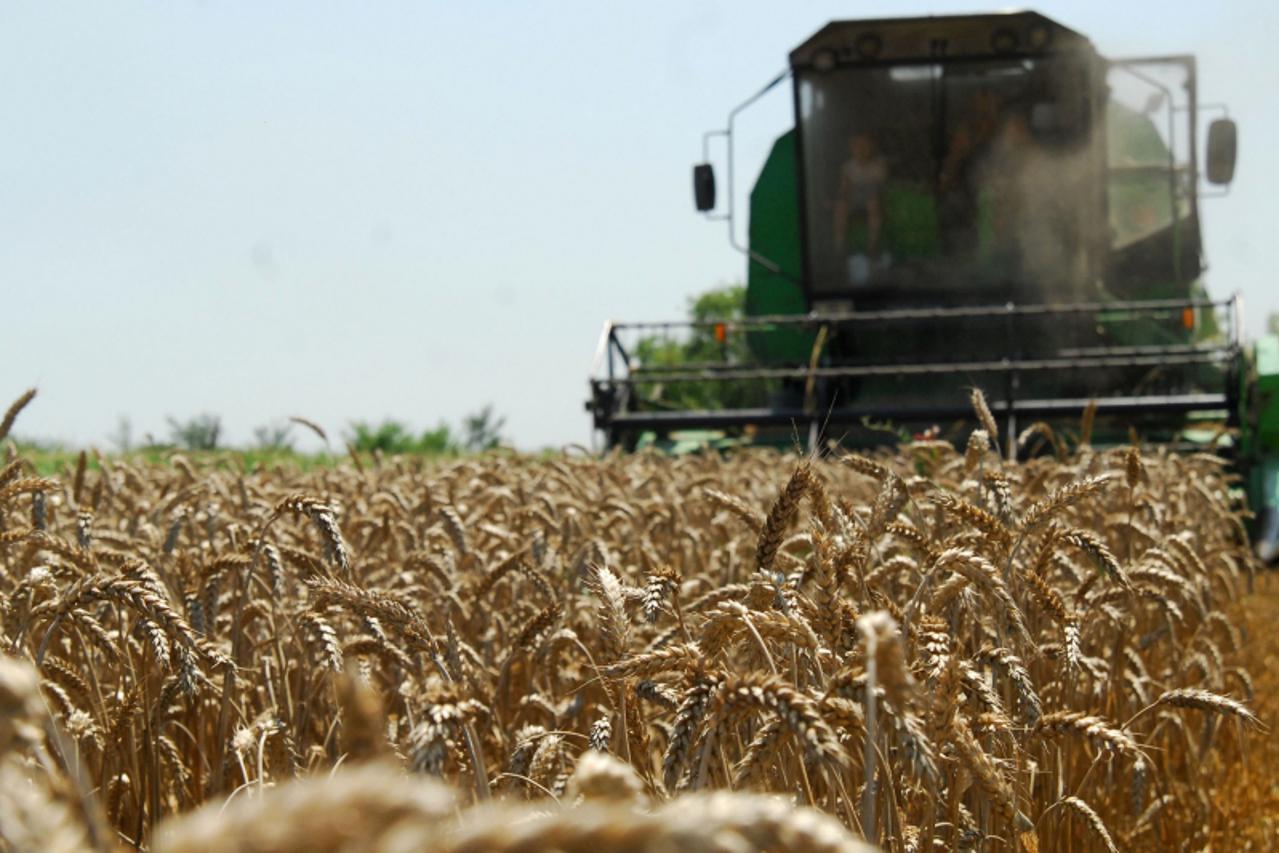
(703, 344)
(274, 436)
(438, 441)
(392, 437)
(482, 430)
(198, 433)
(389, 436)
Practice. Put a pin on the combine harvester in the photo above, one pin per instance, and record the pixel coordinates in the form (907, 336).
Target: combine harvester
(970, 201)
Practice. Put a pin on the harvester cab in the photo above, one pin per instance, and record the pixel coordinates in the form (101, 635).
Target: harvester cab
(979, 201)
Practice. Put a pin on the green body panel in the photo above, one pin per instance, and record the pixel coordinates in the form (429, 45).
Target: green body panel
(1266, 492)
(911, 226)
(1266, 392)
(774, 234)
(910, 222)
(1259, 439)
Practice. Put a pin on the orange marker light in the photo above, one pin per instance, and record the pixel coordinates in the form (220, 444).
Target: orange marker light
(721, 333)
(1188, 317)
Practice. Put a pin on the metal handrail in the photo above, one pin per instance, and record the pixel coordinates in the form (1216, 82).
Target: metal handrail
(612, 397)
(660, 371)
(1151, 307)
(935, 368)
(610, 345)
(956, 408)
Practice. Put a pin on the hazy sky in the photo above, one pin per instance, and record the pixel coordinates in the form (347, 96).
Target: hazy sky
(367, 210)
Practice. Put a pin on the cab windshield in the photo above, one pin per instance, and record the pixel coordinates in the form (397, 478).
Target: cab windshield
(966, 178)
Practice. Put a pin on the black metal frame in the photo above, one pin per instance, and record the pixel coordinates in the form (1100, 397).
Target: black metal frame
(616, 373)
(730, 213)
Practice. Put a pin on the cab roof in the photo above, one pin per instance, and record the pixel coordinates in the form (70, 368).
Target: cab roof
(936, 38)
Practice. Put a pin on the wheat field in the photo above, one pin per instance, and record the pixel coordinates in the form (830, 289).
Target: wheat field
(935, 648)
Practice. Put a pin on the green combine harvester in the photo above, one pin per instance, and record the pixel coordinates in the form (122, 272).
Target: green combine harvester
(977, 201)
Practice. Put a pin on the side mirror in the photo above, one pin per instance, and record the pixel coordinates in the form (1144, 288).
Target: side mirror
(1223, 141)
(704, 186)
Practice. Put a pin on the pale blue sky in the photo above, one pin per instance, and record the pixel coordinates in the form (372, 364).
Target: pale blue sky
(361, 210)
